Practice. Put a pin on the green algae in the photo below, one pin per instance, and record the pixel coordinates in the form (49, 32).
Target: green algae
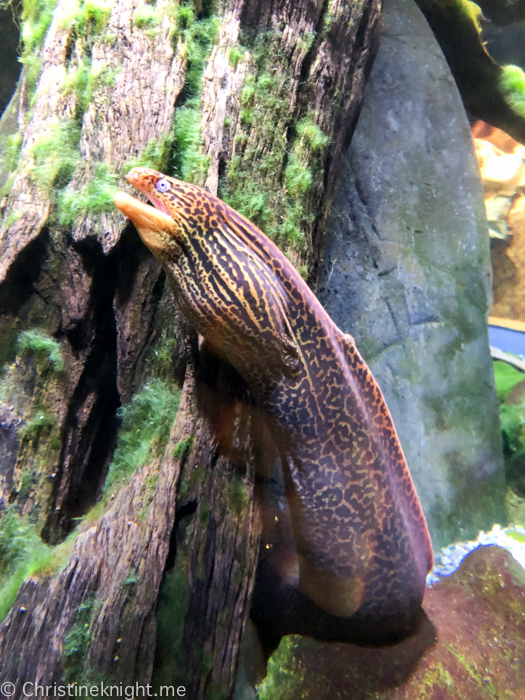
(142, 438)
(283, 679)
(146, 17)
(512, 422)
(94, 197)
(55, 151)
(234, 56)
(14, 216)
(512, 85)
(183, 447)
(190, 480)
(55, 155)
(312, 134)
(505, 377)
(14, 146)
(23, 554)
(36, 19)
(156, 154)
(45, 349)
(77, 670)
(436, 676)
(41, 424)
(170, 652)
(269, 179)
(482, 682)
(195, 38)
(76, 641)
(472, 12)
(144, 434)
(190, 164)
(146, 424)
(29, 388)
(88, 19)
(82, 81)
(238, 497)
(204, 513)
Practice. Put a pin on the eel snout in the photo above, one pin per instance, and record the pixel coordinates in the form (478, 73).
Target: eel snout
(156, 228)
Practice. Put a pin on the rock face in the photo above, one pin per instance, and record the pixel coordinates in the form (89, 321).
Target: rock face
(470, 646)
(408, 244)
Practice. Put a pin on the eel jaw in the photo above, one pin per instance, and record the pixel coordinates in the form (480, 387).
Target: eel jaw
(156, 228)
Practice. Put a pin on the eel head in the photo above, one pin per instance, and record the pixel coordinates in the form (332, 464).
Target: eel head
(221, 268)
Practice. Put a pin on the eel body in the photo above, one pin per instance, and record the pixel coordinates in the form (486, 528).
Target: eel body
(362, 541)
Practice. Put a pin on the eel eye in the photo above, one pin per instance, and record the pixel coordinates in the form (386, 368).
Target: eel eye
(162, 185)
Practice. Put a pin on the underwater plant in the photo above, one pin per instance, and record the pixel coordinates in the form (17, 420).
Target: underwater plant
(510, 388)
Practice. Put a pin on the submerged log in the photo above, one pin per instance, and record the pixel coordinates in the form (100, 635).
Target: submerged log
(489, 91)
(258, 102)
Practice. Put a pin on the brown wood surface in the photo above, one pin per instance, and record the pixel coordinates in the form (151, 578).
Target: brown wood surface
(99, 293)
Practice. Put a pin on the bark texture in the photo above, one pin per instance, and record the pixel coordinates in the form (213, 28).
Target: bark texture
(259, 104)
(137, 105)
(96, 619)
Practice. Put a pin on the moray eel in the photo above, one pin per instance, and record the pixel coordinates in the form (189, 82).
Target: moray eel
(362, 541)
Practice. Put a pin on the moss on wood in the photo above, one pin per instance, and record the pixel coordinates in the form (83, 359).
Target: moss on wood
(23, 554)
(270, 177)
(76, 643)
(45, 349)
(512, 85)
(29, 390)
(171, 615)
(196, 37)
(146, 423)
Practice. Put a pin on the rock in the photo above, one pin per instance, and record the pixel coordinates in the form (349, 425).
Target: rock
(471, 646)
(407, 273)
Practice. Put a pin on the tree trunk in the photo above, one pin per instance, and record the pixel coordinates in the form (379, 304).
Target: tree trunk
(257, 103)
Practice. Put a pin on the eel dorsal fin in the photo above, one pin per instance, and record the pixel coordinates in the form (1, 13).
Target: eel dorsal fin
(400, 481)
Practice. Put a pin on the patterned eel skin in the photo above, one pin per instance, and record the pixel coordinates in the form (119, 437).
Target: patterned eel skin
(362, 540)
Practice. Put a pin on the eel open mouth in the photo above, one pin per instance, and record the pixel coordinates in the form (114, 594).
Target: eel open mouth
(142, 215)
(154, 224)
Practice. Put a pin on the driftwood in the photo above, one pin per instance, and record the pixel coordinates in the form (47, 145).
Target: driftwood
(157, 588)
(480, 80)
